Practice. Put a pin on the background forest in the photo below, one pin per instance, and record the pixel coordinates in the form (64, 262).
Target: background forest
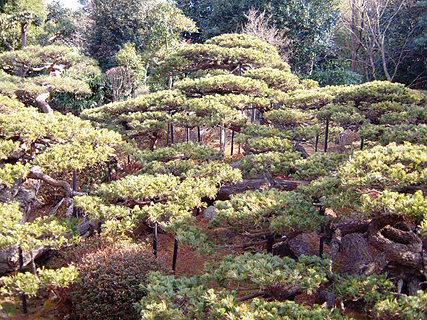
(213, 159)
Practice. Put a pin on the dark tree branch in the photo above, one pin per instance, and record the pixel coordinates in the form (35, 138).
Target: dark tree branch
(36, 173)
(251, 296)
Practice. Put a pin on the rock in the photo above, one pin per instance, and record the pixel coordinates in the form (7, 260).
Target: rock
(301, 149)
(8, 194)
(359, 258)
(347, 138)
(304, 244)
(25, 196)
(88, 227)
(282, 249)
(326, 297)
(210, 213)
(236, 165)
(9, 258)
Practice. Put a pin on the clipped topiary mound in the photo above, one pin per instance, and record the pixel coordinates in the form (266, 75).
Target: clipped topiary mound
(110, 281)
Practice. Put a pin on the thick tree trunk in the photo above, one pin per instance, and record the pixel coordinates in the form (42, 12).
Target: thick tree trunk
(225, 192)
(384, 61)
(170, 83)
(41, 101)
(24, 27)
(153, 141)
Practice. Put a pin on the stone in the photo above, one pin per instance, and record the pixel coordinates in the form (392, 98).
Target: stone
(281, 249)
(358, 253)
(9, 258)
(88, 227)
(210, 213)
(237, 165)
(304, 244)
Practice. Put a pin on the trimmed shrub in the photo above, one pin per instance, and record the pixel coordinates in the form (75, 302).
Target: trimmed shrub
(110, 281)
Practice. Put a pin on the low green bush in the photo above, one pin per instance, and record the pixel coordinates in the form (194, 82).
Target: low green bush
(110, 281)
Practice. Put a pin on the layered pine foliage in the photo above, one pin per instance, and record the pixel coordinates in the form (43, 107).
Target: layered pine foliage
(239, 84)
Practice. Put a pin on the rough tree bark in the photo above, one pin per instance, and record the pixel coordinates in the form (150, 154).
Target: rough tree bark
(37, 173)
(41, 100)
(226, 191)
(403, 247)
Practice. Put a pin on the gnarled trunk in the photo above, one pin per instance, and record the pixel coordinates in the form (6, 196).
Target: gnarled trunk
(41, 100)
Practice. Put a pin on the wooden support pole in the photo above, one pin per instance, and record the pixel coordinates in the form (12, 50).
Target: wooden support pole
(172, 136)
(109, 169)
(75, 179)
(222, 141)
(270, 242)
(170, 83)
(362, 142)
(199, 136)
(326, 135)
(317, 142)
(21, 269)
(167, 135)
(155, 240)
(75, 188)
(232, 142)
(187, 134)
(322, 230)
(175, 255)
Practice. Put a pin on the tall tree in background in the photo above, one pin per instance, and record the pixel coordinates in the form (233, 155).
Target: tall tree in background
(215, 17)
(25, 23)
(259, 25)
(24, 14)
(164, 24)
(60, 26)
(384, 38)
(149, 25)
(113, 23)
(309, 24)
(413, 70)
